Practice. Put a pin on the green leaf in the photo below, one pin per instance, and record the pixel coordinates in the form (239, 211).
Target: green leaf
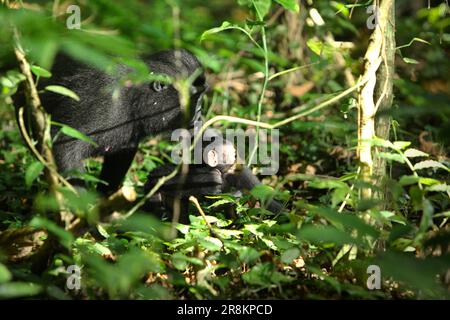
(400, 145)
(289, 255)
(65, 237)
(342, 8)
(290, 5)
(378, 142)
(420, 274)
(262, 7)
(225, 26)
(430, 164)
(428, 181)
(5, 274)
(320, 48)
(408, 180)
(63, 91)
(326, 235)
(330, 183)
(248, 254)
(262, 192)
(41, 72)
(210, 243)
(92, 246)
(264, 275)
(181, 261)
(347, 220)
(414, 153)
(410, 60)
(391, 156)
(439, 188)
(33, 171)
(74, 133)
(19, 289)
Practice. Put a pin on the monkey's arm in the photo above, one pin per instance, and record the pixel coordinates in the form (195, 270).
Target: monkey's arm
(200, 180)
(114, 169)
(203, 180)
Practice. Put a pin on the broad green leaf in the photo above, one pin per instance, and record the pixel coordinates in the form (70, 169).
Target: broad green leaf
(74, 133)
(65, 237)
(342, 8)
(290, 5)
(92, 246)
(41, 72)
(262, 192)
(391, 216)
(181, 261)
(326, 235)
(430, 164)
(391, 156)
(427, 215)
(262, 7)
(439, 188)
(428, 181)
(63, 91)
(321, 48)
(253, 229)
(264, 275)
(33, 171)
(248, 254)
(347, 220)
(414, 153)
(5, 274)
(102, 231)
(400, 145)
(227, 234)
(323, 183)
(19, 289)
(210, 243)
(378, 142)
(338, 196)
(443, 214)
(225, 26)
(420, 274)
(408, 180)
(289, 255)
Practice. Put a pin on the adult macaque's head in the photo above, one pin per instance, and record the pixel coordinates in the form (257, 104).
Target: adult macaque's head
(159, 102)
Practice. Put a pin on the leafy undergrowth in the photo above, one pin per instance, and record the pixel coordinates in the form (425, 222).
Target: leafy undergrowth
(328, 244)
(312, 251)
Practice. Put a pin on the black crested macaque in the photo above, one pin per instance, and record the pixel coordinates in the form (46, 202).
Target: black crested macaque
(117, 120)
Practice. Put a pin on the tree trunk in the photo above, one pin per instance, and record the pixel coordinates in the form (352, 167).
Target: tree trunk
(376, 93)
(384, 97)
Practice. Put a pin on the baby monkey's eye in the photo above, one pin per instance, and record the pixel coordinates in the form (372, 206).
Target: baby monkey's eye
(159, 86)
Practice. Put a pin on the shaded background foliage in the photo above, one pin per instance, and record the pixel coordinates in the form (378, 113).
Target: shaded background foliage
(311, 252)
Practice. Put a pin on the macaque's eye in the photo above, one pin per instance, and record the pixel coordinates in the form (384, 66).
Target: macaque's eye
(159, 86)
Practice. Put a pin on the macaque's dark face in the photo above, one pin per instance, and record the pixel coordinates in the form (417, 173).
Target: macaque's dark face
(158, 106)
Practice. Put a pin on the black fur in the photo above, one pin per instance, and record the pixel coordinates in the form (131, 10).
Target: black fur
(201, 180)
(116, 121)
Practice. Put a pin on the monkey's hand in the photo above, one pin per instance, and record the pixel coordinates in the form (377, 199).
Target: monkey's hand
(199, 181)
